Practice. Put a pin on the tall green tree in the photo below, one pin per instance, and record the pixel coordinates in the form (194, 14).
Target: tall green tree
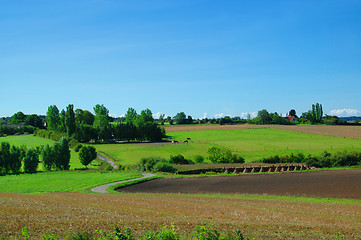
(15, 160)
(48, 157)
(4, 156)
(131, 116)
(34, 120)
(264, 117)
(180, 118)
(18, 117)
(70, 120)
(61, 154)
(88, 118)
(53, 118)
(62, 126)
(145, 116)
(31, 161)
(315, 115)
(79, 117)
(101, 119)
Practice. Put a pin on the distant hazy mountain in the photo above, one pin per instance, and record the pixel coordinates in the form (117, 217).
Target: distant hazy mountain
(350, 119)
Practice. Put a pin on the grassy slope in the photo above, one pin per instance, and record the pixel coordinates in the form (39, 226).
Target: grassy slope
(33, 141)
(253, 144)
(60, 181)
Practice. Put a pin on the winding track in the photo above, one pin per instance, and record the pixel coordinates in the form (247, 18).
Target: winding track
(103, 158)
(103, 188)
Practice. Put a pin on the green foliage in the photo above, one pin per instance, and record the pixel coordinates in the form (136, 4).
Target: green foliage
(223, 155)
(53, 118)
(264, 117)
(18, 117)
(326, 159)
(31, 161)
(155, 164)
(70, 120)
(315, 115)
(9, 130)
(198, 159)
(48, 157)
(78, 147)
(131, 116)
(101, 119)
(87, 154)
(15, 160)
(163, 167)
(167, 233)
(179, 159)
(34, 120)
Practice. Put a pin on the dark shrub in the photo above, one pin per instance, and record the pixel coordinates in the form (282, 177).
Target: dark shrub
(147, 164)
(163, 167)
(179, 159)
(198, 159)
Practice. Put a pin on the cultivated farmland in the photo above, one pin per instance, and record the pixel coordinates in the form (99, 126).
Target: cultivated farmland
(261, 217)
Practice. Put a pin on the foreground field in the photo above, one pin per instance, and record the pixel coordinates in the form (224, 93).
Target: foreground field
(256, 216)
(34, 141)
(252, 144)
(61, 181)
(329, 184)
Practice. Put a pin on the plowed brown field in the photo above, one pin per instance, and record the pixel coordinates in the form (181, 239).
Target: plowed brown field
(259, 217)
(327, 184)
(337, 131)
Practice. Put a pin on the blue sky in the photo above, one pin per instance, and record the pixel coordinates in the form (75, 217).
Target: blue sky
(204, 58)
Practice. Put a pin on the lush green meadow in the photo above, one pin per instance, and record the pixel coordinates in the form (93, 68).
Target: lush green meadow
(61, 181)
(252, 144)
(34, 141)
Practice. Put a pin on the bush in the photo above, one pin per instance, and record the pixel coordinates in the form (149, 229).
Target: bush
(179, 159)
(78, 147)
(198, 159)
(147, 164)
(87, 154)
(163, 167)
(31, 161)
(223, 155)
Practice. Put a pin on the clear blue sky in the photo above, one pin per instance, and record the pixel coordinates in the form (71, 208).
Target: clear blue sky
(196, 56)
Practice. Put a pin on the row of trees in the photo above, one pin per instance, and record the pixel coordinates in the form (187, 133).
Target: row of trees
(56, 157)
(12, 156)
(84, 126)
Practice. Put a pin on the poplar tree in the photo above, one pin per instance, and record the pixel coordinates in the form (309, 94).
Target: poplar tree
(70, 120)
(53, 118)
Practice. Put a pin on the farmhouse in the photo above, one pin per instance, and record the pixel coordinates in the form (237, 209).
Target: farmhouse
(292, 119)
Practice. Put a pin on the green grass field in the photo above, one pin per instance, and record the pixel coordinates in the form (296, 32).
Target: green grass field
(33, 141)
(61, 181)
(252, 144)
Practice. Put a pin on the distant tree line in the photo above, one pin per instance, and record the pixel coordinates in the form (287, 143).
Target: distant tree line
(85, 126)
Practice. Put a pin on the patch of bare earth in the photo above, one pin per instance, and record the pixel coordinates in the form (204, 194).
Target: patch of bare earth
(262, 218)
(336, 131)
(326, 184)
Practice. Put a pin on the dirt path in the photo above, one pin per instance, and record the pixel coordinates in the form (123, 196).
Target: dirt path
(327, 184)
(103, 188)
(103, 158)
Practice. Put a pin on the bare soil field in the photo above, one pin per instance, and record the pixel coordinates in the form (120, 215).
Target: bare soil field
(256, 216)
(336, 131)
(326, 184)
